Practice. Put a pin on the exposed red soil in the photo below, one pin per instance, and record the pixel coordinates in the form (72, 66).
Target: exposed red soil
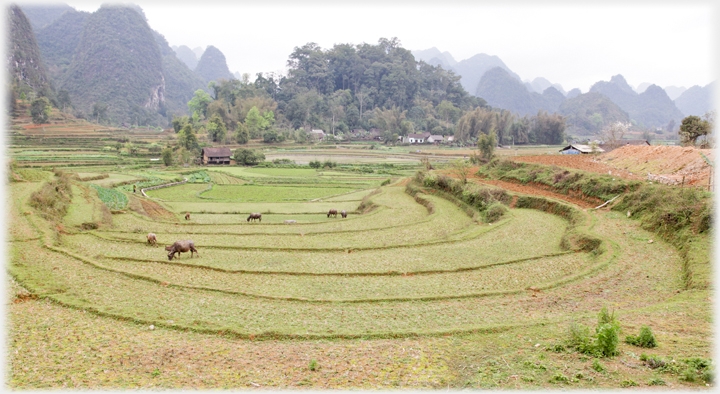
(579, 162)
(539, 191)
(669, 163)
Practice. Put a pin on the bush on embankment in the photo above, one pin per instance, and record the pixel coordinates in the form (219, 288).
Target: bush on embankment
(562, 180)
(680, 216)
(490, 202)
(53, 198)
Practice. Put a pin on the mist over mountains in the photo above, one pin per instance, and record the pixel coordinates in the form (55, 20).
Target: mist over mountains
(649, 105)
(113, 58)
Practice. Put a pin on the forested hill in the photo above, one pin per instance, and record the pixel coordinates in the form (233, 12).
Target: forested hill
(180, 81)
(212, 65)
(41, 15)
(58, 41)
(26, 68)
(117, 68)
(652, 108)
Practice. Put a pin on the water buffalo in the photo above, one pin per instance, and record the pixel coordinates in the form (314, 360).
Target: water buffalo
(151, 239)
(181, 246)
(187, 216)
(254, 216)
(343, 213)
(332, 212)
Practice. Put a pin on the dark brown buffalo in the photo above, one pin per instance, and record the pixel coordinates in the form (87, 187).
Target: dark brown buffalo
(152, 240)
(254, 216)
(343, 213)
(187, 216)
(181, 246)
(332, 212)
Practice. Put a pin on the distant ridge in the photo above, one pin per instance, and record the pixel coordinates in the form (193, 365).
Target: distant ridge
(652, 108)
(27, 69)
(696, 101)
(212, 65)
(117, 63)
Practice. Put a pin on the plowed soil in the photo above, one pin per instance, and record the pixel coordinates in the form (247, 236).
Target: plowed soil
(636, 161)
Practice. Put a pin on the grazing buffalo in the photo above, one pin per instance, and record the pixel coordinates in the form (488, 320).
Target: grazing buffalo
(254, 216)
(187, 216)
(332, 212)
(181, 246)
(152, 240)
(290, 221)
(343, 213)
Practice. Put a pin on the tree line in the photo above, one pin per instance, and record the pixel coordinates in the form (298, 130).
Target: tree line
(363, 87)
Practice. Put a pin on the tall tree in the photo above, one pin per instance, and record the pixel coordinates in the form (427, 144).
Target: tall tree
(40, 110)
(199, 103)
(216, 129)
(692, 128)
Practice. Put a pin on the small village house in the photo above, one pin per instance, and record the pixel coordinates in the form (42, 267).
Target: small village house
(579, 149)
(216, 155)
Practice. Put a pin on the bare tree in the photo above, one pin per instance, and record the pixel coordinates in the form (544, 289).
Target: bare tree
(613, 133)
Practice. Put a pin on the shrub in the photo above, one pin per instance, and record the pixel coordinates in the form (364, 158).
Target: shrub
(495, 211)
(385, 182)
(656, 382)
(313, 365)
(53, 199)
(596, 366)
(645, 339)
(558, 378)
(628, 383)
(606, 340)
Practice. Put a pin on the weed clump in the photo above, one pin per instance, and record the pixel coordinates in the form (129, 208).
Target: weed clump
(645, 339)
(606, 340)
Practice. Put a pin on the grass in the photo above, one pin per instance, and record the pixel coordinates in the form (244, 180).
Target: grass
(410, 293)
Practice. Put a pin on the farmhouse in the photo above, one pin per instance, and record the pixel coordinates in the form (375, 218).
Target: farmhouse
(317, 134)
(216, 155)
(435, 139)
(414, 138)
(577, 149)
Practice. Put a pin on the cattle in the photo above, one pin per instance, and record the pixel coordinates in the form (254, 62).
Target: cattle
(254, 216)
(343, 213)
(151, 239)
(181, 246)
(332, 212)
(290, 221)
(187, 216)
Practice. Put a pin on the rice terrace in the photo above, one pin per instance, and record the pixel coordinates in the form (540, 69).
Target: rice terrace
(442, 275)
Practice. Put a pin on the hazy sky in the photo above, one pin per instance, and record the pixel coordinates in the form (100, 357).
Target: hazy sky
(670, 43)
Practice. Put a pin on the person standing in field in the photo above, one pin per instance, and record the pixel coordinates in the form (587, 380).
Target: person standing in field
(134, 188)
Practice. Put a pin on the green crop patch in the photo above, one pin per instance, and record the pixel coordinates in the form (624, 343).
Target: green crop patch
(111, 197)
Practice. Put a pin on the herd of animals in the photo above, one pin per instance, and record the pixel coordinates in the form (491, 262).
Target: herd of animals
(189, 246)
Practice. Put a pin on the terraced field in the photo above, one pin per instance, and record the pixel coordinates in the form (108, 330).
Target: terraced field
(397, 266)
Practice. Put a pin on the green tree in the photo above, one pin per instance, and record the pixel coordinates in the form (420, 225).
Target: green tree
(242, 136)
(63, 99)
(187, 138)
(692, 128)
(256, 124)
(216, 129)
(179, 122)
(40, 110)
(486, 145)
(474, 123)
(167, 156)
(99, 111)
(248, 157)
(548, 128)
(199, 103)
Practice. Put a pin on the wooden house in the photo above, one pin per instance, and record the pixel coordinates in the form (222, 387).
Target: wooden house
(216, 155)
